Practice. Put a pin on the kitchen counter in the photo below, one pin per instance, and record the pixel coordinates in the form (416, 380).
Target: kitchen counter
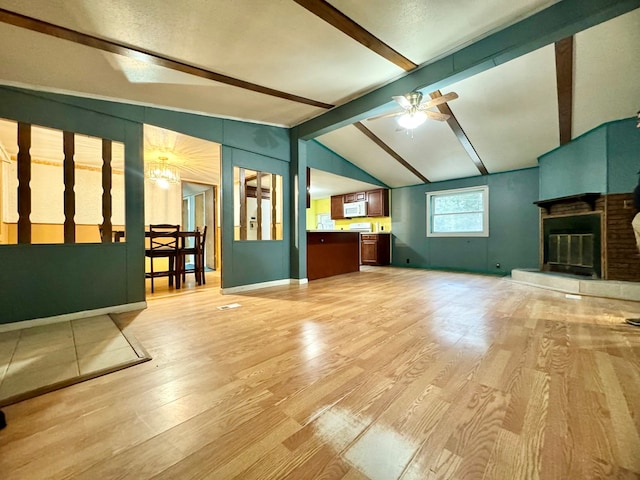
(332, 252)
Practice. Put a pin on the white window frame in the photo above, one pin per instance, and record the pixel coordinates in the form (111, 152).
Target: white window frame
(485, 217)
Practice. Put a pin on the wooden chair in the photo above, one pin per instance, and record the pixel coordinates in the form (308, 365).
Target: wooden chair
(163, 243)
(197, 250)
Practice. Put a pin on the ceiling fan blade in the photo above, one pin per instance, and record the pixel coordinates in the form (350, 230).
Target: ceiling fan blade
(385, 115)
(443, 117)
(439, 100)
(402, 101)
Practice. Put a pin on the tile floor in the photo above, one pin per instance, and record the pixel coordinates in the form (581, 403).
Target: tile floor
(37, 357)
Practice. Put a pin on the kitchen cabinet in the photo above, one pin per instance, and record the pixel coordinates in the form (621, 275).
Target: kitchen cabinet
(378, 203)
(337, 211)
(332, 253)
(355, 197)
(375, 248)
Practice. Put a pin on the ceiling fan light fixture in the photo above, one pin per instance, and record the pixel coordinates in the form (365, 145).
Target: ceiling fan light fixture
(412, 119)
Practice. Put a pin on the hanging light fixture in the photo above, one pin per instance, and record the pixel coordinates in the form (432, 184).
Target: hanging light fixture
(162, 173)
(412, 119)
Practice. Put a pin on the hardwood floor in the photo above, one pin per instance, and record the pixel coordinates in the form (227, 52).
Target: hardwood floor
(383, 374)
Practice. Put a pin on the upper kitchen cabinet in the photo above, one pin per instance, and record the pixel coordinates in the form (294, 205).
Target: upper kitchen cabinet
(378, 203)
(337, 210)
(355, 197)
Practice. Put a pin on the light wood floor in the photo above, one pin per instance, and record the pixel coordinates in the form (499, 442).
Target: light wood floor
(383, 374)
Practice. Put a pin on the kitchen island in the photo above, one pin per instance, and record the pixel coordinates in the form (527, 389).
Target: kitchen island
(332, 252)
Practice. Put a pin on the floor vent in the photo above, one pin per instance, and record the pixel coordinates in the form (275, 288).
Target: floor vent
(227, 307)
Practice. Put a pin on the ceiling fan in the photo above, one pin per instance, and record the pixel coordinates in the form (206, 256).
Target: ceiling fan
(415, 111)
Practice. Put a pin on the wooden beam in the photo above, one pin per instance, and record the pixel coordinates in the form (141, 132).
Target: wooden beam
(242, 188)
(564, 79)
(339, 20)
(146, 56)
(390, 151)
(69, 184)
(259, 205)
(274, 206)
(543, 28)
(107, 227)
(24, 181)
(460, 134)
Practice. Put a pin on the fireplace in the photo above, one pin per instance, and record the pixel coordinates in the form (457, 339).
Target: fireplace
(572, 244)
(589, 234)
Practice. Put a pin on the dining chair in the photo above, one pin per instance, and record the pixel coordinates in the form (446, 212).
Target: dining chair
(197, 250)
(163, 243)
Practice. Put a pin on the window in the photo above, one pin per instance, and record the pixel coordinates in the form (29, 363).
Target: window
(59, 187)
(458, 213)
(257, 205)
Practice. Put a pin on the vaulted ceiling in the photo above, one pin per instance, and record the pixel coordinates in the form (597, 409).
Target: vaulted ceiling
(306, 62)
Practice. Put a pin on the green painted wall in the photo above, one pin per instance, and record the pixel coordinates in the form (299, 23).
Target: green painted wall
(44, 280)
(513, 227)
(247, 262)
(577, 167)
(603, 160)
(623, 155)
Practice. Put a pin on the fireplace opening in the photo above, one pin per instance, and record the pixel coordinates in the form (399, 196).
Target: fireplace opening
(572, 244)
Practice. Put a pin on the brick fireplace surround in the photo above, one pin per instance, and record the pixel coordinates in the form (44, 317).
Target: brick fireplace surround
(618, 253)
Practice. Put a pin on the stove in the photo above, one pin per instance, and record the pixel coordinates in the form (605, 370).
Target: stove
(360, 227)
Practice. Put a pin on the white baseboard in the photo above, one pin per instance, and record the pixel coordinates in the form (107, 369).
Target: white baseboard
(256, 286)
(36, 322)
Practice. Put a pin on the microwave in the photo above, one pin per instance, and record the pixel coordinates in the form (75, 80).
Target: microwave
(355, 209)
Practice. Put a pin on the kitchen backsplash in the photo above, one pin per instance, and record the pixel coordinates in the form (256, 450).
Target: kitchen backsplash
(323, 206)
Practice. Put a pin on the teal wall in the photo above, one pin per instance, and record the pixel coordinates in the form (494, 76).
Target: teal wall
(513, 227)
(246, 262)
(603, 160)
(44, 280)
(577, 167)
(623, 155)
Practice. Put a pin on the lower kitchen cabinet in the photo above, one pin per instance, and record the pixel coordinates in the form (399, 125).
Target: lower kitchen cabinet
(375, 248)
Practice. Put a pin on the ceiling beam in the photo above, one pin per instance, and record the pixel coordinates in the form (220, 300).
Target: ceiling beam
(564, 82)
(460, 134)
(372, 136)
(548, 26)
(146, 56)
(339, 20)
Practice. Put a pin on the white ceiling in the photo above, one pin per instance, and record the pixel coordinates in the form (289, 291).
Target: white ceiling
(197, 160)
(325, 184)
(509, 113)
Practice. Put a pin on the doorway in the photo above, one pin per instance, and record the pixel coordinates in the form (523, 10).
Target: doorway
(182, 174)
(199, 207)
